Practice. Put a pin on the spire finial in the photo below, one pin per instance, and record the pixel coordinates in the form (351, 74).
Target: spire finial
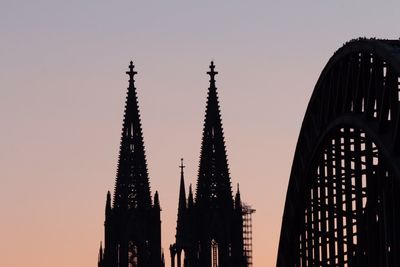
(181, 166)
(212, 72)
(131, 72)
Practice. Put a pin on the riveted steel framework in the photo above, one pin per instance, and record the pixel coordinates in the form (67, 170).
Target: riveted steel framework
(342, 205)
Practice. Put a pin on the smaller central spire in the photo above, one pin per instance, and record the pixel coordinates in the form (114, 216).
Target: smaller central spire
(131, 72)
(182, 193)
(181, 206)
(212, 72)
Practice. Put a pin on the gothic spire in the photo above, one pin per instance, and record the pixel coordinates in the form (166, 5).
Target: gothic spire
(108, 204)
(182, 193)
(190, 197)
(156, 201)
(238, 201)
(132, 189)
(181, 205)
(213, 183)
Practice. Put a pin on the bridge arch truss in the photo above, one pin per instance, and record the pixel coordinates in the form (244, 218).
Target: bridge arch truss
(343, 200)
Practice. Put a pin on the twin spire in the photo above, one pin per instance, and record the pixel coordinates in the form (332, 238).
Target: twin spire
(132, 225)
(133, 206)
(213, 183)
(132, 189)
(213, 221)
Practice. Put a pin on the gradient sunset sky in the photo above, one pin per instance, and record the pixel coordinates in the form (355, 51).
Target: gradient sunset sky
(63, 87)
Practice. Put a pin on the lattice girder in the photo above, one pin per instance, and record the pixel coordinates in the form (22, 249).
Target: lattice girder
(341, 206)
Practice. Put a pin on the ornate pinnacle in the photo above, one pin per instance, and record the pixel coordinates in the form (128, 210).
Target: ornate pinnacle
(182, 166)
(108, 203)
(212, 73)
(238, 202)
(182, 193)
(156, 200)
(190, 197)
(131, 72)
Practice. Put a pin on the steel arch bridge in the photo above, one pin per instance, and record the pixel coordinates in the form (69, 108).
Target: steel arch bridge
(343, 200)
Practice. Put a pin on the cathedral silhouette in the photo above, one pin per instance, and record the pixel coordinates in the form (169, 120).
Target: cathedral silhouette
(213, 228)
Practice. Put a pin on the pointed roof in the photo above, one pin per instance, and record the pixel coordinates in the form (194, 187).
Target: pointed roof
(181, 205)
(182, 193)
(238, 201)
(213, 183)
(190, 198)
(108, 203)
(156, 201)
(132, 189)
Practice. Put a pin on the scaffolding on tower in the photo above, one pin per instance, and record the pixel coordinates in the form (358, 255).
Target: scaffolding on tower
(247, 212)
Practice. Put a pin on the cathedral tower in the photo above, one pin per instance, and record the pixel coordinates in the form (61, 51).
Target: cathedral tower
(210, 227)
(132, 224)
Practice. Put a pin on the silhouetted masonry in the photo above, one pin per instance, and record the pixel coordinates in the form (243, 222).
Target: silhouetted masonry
(343, 202)
(132, 225)
(209, 229)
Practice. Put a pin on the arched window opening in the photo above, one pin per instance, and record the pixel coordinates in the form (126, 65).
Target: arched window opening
(118, 249)
(214, 253)
(198, 250)
(181, 259)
